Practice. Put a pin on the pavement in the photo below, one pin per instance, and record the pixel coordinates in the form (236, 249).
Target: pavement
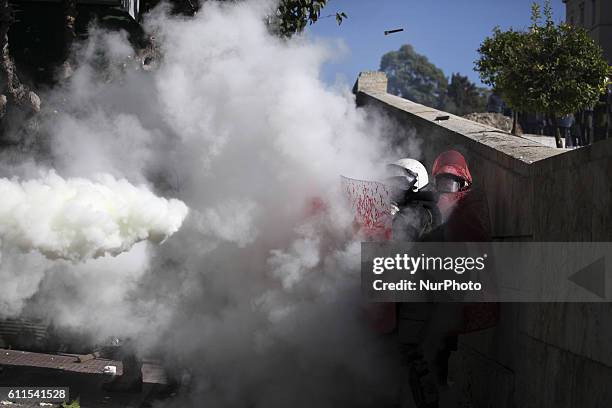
(544, 140)
(21, 368)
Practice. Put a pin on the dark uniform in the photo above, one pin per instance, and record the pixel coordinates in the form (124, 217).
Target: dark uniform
(417, 217)
(428, 331)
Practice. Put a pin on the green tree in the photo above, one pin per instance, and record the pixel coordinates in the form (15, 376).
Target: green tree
(554, 69)
(293, 16)
(464, 96)
(413, 77)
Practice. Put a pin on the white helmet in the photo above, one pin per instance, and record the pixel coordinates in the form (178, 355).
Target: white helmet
(409, 169)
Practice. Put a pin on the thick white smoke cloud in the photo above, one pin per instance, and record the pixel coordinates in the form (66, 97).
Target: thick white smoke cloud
(257, 295)
(77, 219)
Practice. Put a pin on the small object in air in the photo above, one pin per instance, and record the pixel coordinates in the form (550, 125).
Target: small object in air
(397, 30)
(444, 117)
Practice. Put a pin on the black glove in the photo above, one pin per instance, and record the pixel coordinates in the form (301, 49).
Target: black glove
(418, 216)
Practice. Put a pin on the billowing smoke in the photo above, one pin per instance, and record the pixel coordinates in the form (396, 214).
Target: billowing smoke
(77, 219)
(257, 295)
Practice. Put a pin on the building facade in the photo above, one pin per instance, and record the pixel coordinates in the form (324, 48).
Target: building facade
(596, 17)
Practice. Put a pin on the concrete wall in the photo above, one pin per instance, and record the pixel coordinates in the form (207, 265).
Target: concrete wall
(539, 355)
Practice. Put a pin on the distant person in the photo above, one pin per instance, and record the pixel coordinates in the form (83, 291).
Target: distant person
(586, 119)
(541, 123)
(577, 130)
(533, 123)
(606, 102)
(525, 121)
(565, 124)
(549, 126)
(600, 118)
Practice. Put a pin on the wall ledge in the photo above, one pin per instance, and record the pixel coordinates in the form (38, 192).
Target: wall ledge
(515, 147)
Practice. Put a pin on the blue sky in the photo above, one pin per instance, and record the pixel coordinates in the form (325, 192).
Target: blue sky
(448, 32)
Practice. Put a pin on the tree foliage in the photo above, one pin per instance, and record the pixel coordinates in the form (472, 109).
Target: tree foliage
(412, 76)
(292, 16)
(553, 69)
(463, 96)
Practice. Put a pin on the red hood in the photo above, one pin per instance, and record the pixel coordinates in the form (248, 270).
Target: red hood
(452, 162)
